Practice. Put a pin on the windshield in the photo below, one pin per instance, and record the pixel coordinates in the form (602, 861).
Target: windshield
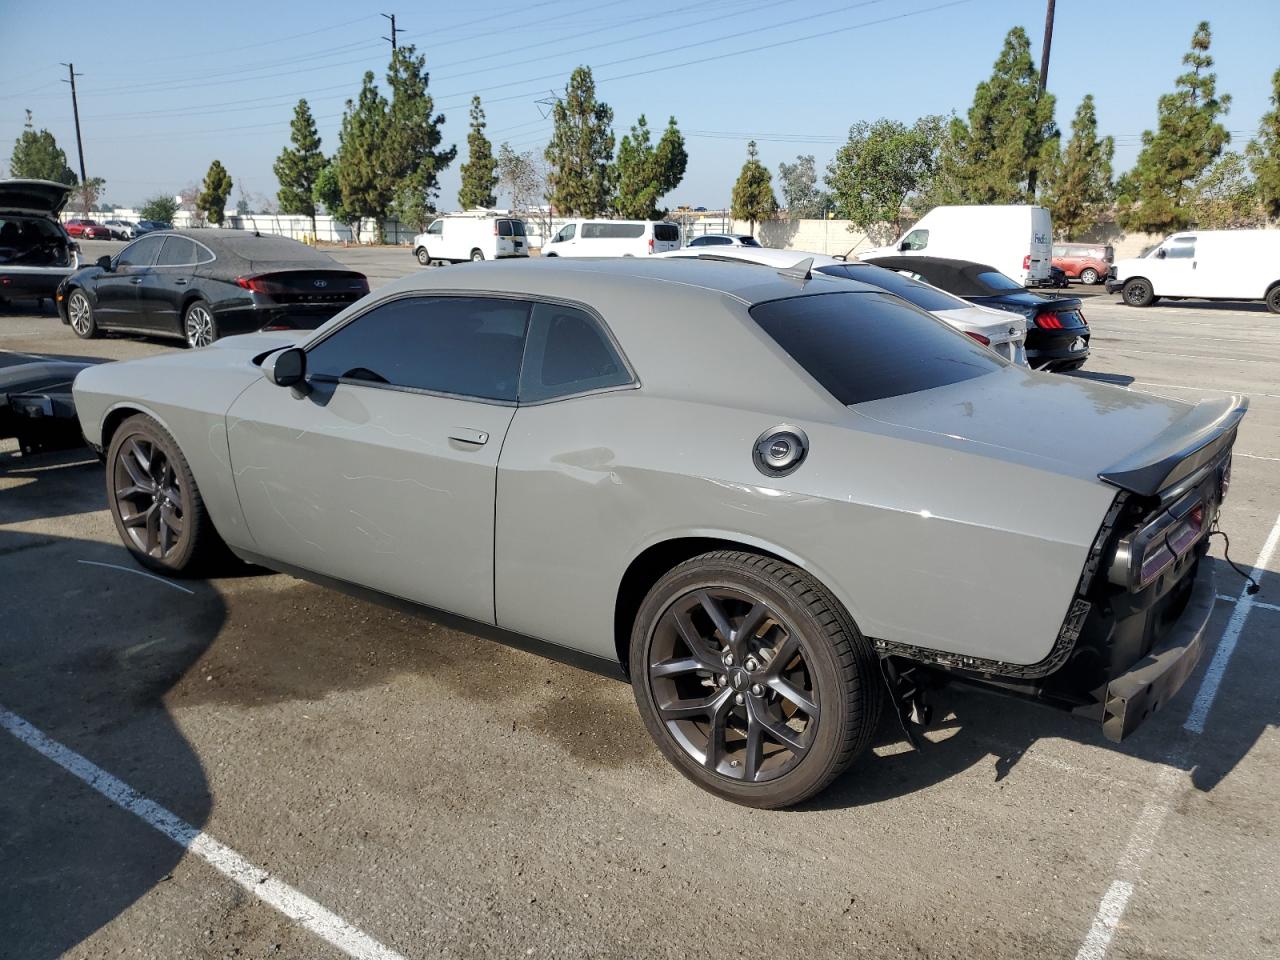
(868, 346)
(913, 291)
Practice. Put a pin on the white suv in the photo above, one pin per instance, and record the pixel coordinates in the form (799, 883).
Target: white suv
(459, 237)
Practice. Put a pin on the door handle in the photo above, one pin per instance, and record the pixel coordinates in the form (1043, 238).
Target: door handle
(136, 280)
(467, 435)
(181, 281)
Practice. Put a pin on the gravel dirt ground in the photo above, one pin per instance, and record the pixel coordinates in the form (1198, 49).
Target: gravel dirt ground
(450, 797)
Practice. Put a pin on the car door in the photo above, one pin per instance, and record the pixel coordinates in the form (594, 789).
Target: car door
(119, 291)
(383, 471)
(166, 283)
(1174, 272)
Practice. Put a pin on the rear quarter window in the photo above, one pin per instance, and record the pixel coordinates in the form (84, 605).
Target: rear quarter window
(868, 346)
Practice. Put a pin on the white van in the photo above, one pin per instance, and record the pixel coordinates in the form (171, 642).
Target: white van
(466, 236)
(1017, 240)
(613, 238)
(1204, 265)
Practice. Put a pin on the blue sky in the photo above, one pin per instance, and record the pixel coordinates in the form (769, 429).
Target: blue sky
(169, 86)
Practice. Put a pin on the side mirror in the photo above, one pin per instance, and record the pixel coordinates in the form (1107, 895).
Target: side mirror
(1161, 254)
(104, 263)
(286, 368)
(904, 245)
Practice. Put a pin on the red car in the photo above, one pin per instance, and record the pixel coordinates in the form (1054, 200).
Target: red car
(1086, 262)
(89, 229)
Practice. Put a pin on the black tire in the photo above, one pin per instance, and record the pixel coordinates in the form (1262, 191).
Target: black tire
(197, 544)
(1137, 292)
(1089, 276)
(424, 258)
(1273, 299)
(830, 665)
(476, 256)
(199, 326)
(80, 315)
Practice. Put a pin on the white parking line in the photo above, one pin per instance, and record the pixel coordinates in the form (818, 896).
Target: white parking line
(294, 905)
(1154, 812)
(141, 573)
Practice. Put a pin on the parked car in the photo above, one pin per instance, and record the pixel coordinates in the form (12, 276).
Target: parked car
(776, 501)
(36, 406)
(150, 226)
(724, 240)
(1057, 332)
(87, 229)
(120, 229)
(1204, 265)
(200, 285)
(992, 328)
(613, 238)
(460, 237)
(1087, 262)
(1016, 239)
(35, 252)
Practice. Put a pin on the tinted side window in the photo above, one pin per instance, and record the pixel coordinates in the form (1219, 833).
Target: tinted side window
(176, 251)
(469, 346)
(867, 346)
(665, 232)
(140, 253)
(568, 353)
(749, 241)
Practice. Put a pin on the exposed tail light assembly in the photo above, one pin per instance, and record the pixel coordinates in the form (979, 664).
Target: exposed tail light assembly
(1143, 556)
(1026, 262)
(985, 341)
(651, 244)
(1048, 321)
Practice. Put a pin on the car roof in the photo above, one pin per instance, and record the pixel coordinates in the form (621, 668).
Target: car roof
(252, 247)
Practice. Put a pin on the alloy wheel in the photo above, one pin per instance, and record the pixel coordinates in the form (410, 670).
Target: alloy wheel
(148, 497)
(1089, 276)
(199, 326)
(732, 684)
(79, 313)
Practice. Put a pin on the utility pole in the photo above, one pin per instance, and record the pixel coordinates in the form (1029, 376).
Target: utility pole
(391, 39)
(75, 109)
(1044, 77)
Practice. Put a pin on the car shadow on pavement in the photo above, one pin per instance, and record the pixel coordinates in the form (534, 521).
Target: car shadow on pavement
(88, 649)
(977, 727)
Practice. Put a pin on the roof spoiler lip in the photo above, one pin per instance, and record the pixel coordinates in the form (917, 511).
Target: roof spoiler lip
(1181, 448)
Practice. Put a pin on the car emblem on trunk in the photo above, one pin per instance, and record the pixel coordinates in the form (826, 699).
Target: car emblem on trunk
(321, 283)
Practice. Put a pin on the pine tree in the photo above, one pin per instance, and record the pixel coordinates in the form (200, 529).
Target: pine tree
(480, 172)
(36, 155)
(1264, 154)
(410, 157)
(327, 193)
(579, 180)
(298, 167)
(160, 208)
(672, 160)
(635, 174)
(366, 189)
(1078, 187)
(753, 192)
(1187, 139)
(1010, 131)
(212, 201)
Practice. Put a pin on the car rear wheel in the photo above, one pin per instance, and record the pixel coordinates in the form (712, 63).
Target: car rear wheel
(752, 678)
(1089, 276)
(1138, 293)
(1273, 299)
(80, 315)
(198, 325)
(154, 500)
(424, 258)
(477, 256)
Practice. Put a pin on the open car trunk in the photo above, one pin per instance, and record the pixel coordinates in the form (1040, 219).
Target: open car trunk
(33, 242)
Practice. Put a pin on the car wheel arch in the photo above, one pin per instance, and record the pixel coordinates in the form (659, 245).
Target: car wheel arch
(122, 411)
(660, 556)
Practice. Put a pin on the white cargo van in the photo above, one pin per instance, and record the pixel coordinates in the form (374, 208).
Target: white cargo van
(1017, 240)
(1204, 265)
(613, 238)
(466, 236)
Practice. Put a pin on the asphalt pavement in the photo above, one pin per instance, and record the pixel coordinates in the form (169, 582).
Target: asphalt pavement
(443, 796)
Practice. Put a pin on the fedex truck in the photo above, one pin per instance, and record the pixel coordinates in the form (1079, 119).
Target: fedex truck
(1016, 239)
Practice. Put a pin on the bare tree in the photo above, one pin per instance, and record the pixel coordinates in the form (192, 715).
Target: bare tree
(524, 178)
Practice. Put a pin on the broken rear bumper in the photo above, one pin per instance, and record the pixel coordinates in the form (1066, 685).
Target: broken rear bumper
(1152, 681)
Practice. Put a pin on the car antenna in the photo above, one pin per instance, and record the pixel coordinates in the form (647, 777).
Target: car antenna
(799, 271)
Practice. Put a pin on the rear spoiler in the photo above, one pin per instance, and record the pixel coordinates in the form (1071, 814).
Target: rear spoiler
(1181, 449)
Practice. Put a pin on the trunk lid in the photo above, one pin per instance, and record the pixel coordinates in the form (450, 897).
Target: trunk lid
(35, 197)
(1067, 424)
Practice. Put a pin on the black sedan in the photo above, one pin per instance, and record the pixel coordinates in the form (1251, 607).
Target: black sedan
(1057, 333)
(200, 285)
(36, 405)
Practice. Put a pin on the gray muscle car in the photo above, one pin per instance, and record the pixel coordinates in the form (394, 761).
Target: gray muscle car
(764, 496)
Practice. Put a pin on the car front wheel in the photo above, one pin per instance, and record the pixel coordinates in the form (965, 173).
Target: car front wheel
(1089, 276)
(477, 256)
(1273, 299)
(752, 678)
(80, 315)
(1138, 293)
(424, 258)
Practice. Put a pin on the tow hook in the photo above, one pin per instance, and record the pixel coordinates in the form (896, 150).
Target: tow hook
(907, 689)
